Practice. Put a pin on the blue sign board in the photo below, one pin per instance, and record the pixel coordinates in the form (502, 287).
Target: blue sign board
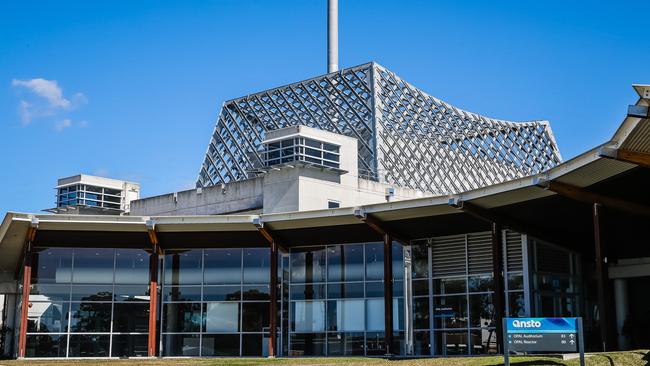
(524, 335)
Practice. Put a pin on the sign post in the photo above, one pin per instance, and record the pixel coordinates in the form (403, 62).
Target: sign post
(523, 335)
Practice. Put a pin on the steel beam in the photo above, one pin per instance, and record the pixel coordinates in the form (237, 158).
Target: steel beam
(153, 290)
(581, 195)
(379, 226)
(27, 280)
(628, 156)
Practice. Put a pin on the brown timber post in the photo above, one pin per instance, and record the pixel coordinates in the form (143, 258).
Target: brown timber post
(499, 286)
(601, 277)
(388, 293)
(27, 280)
(153, 291)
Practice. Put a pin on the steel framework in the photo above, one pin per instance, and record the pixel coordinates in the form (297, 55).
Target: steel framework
(406, 137)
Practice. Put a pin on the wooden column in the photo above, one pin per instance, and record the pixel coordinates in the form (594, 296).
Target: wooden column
(388, 293)
(273, 306)
(27, 281)
(602, 278)
(153, 304)
(499, 285)
(153, 293)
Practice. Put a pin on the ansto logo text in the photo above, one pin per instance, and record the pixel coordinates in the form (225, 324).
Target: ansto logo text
(526, 324)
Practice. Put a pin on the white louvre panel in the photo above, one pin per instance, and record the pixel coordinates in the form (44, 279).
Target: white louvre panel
(479, 253)
(448, 255)
(550, 259)
(514, 255)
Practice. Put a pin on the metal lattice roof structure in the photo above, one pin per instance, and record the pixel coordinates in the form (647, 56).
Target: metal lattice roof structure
(405, 136)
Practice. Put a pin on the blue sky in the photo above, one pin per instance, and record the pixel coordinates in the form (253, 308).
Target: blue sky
(131, 89)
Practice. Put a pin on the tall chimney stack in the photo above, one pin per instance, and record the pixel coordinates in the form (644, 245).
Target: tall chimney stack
(332, 35)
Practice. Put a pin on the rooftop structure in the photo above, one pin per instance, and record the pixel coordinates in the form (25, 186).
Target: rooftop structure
(405, 137)
(88, 194)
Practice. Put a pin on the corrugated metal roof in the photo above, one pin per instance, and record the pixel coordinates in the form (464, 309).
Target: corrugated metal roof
(639, 138)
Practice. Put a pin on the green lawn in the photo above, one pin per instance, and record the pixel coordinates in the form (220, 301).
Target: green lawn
(641, 357)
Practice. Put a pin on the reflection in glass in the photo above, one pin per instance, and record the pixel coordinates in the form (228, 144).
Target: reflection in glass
(420, 287)
(307, 344)
(129, 346)
(217, 293)
(345, 315)
(256, 265)
(345, 344)
(181, 344)
(308, 292)
(480, 283)
(47, 317)
(453, 285)
(482, 310)
(398, 260)
(45, 292)
(421, 343)
(375, 261)
(131, 266)
(220, 345)
(421, 313)
(90, 317)
(255, 316)
(252, 345)
(256, 293)
(345, 263)
(375, 314)
(183, 267)
(52, 265)
(89, 345)
(308, 316)
(93, 266)
(451, 343)
(375, 344)
(183, 293)
(180, 317)
(222, 317)
(374, 289)
(131, 292)
(92, 292)
(484, 341)
(517, 304)
(308, 265)
(222, 266)
(345, 290)
(131, 318)
(420, 261)
(450, 312)
(515, 281)
(50, 345)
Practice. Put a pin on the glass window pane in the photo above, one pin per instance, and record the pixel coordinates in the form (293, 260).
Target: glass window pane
(222, 266)
(181, 344)
(257, 293)
(451, 343)
(308, 316)
(222, 317)
(450, 312)
(182, 317)
(375, 315)
(420, 261)
(184, 293)
(93, 265)
(256, 265)
(308, 292)
(345, 344)
(131, 318)
(480, 283)
(454, 285)
(50, 345)
(515, 281)
(131, 292)
(517, 304)
(92, 292)
(481, 310)
(129, 346)
(220, 345)
(375, 261)
(421, 343)
(47, 317)
(398, 260)
(44, 292)
(307, 344)
(90, 317)
(221, 293)
(345, 290)
(308, 265)
(420, 287)
(131, 266)
(253, 345)
(89, 345)
(374, 289)
(421, 313)
(375, 343)
(52, 265)
(484, 341)
(255, 316)
(345, 315)
(183, 267)
(345, 262)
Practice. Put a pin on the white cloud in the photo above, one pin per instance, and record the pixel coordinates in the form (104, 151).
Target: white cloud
(62, 125)
(46, 98)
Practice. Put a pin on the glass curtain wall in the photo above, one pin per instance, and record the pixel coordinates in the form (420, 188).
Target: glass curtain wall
(336, 300)
(452, 282)
(88, 303)
(215, 302)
